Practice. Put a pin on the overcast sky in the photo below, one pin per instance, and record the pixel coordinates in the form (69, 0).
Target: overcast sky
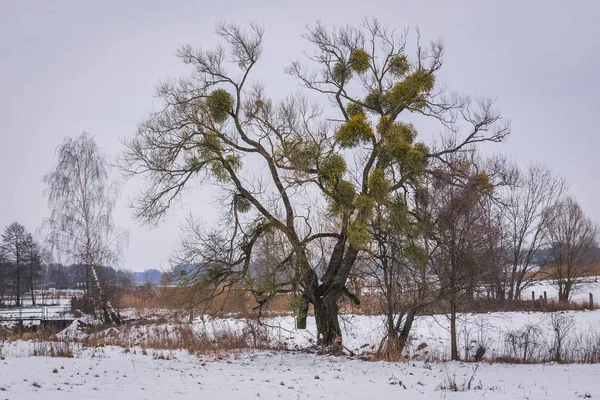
(70, 66)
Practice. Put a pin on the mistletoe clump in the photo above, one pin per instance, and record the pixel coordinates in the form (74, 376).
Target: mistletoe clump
(342, 196)
(353, 131)
(242, 204)
(373, 100)
(220, 104)
(379, 186)
(399, 65)
(359, 235)
(412, 91)
(332, 169)
(354, 109)
(359, 60)
(341, 73)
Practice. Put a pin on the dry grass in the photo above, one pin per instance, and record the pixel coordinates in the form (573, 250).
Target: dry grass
(28, 332)
(242, 304)
(52, 349)
(219, 342)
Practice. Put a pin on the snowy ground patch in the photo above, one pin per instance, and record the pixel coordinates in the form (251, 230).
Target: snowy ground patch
(273, 375)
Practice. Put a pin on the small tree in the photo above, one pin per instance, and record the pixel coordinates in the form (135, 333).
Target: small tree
(573, 237)
(33, 262)
(14, 246)
(4, 272)
(81, 200)
(460, 234)
(527, 212)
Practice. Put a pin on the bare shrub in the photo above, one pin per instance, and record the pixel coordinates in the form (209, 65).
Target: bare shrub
(522, 345)
(479, 353)
(562, 325)
(450, 384)
(584, 348)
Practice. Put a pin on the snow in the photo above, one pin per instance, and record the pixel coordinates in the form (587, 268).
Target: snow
(134, 373)
(111, 373)
(580, 292)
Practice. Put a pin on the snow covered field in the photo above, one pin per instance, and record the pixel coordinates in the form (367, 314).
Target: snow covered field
(137, 372)
(113, 374)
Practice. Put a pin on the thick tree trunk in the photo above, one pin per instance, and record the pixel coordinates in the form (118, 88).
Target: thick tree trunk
(328, 326)
(324, 294)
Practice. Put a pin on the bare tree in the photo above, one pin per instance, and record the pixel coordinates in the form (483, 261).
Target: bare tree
(4, 274)
(459, 233)
(14, 247)
(398, 266)
(81, 200)
(572, 237)
(33, 261)
(219, 127)
(527, 211)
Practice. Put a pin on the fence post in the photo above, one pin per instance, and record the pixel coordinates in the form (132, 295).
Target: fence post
(591, 301)
(545, 298)
(532, 295)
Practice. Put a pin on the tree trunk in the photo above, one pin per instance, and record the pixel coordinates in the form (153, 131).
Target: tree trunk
(302, 315)
(18, 284)
(453, 344)
(328, 327)
(410, 318)
(31, 284)
(110, 316)
(563, 294)
(393, 345)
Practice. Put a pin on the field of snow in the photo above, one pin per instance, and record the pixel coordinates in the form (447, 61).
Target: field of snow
(137, 372)
(110, 373)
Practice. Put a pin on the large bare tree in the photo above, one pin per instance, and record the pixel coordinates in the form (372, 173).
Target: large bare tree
(81, 199)
(288, 165)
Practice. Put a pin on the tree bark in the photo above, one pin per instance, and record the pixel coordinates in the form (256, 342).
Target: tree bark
(328, 326)
(110, 316)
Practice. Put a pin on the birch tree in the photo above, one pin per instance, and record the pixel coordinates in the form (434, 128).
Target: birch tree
(81, 200)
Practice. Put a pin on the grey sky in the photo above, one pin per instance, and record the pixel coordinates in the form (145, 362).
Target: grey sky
(69, 66)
